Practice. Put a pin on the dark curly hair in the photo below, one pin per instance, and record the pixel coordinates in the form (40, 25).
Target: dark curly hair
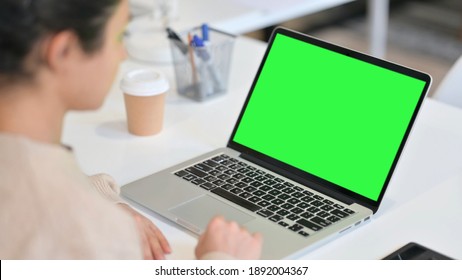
(23, 23)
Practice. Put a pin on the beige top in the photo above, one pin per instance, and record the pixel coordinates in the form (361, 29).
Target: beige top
(49, 209)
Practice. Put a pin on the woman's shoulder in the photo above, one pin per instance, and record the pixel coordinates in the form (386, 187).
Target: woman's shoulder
(47, 203)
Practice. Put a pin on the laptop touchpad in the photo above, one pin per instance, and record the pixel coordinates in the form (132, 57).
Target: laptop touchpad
(197, 213)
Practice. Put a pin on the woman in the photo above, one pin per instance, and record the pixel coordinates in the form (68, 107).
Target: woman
(57, 56)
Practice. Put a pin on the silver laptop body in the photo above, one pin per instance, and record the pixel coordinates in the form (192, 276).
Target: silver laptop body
(296, 206)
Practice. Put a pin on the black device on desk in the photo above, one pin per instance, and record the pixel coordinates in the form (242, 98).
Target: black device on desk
(414, 251)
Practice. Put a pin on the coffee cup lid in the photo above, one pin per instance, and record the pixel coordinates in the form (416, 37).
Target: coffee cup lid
(144, 82)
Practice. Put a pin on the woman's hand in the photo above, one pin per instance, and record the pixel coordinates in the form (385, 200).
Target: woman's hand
(229, 238)
(154, 243)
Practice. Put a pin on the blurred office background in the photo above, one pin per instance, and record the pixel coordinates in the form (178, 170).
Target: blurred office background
(423, 34)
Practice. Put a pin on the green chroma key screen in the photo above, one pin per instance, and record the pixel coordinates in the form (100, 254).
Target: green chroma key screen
(336, 117)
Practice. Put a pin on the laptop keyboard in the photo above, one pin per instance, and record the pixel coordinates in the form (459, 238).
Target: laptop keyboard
(271, 197)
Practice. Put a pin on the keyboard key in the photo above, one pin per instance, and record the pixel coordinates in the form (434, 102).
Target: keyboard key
(207, 186)
(276, 218)
(265, 188)
(226, 162)
(320, 221)
(218, 182)
(297, 194)
(239, 176)
(258, 193)
(307, 199)
(328, 202)
(270, 182)
(245, 195)
(317, 203)
(293, 201)
(260, 178)
(287, 206)
(236, 199)
(339, 213)
(295, 227)
(277, 201)
(241, 185)
(261, 172)
(251, 174)
(303, 205)
(338, 206)
(232, 181)
(227, 187)
(268, 197)
(288, 190)
(309, 224)
(230, 172)
(318, 197)
(274, 192)
(293, 217)
(221, 168)
(256, 184)
(284, 196)
(273, 208)
(236, 191)
(181, 173)
(198, 181)
(265, 213)
(243, 170)
(333, 219)
(189, 177)
(264, 203)
(223, 177)
(234, 166)
(307, 193)
(303, 233)
(327, 208)
(296, 210)
(214, 172)
(278, 186)
(211, 163)
(247, 180)
(323, 214)
(210, 178)
(250, 189)
(313, 209)
(203, 167)
(308, 215)
(283, 212)
(284, 224)
(254, 199)
(349, 211)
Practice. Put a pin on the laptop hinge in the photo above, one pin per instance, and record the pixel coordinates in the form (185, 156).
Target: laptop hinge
(339, 196)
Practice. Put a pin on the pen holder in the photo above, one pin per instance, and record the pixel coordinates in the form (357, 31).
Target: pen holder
(201, 71)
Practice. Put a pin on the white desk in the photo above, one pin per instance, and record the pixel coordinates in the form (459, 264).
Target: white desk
(242, 16)
(433, 155)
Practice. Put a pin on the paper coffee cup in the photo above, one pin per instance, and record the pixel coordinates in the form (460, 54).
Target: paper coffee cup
(144, 95)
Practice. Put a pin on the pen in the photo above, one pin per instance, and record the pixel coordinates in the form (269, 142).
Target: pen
(204, 54)
(191, 57)
(205, 32)
(172, 35)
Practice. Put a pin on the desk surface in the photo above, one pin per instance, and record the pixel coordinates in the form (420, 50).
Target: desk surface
(424, 179)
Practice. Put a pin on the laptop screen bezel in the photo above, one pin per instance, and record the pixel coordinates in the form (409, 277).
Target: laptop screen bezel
(308, 179)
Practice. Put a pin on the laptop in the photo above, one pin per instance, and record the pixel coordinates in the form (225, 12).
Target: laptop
(312, 152)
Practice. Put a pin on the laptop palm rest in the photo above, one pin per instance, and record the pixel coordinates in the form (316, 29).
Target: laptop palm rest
(197, 213)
